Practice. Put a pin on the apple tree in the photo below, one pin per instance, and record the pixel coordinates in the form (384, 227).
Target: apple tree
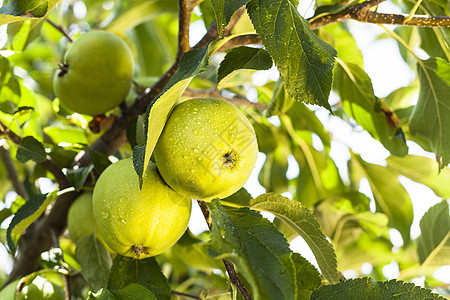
(300, 88)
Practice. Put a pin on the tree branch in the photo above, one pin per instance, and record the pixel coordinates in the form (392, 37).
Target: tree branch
(60, 29)
(362, 13)
(12, 172)
(234, 277)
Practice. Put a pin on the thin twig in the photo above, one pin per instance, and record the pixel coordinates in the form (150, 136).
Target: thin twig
(241, 40)
(184, 20)
(186, 295)
(12, 172)
(60, 29)
(234, 277)
(362, 13)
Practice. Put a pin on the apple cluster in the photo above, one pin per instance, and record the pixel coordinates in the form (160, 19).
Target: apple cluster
(207, 150)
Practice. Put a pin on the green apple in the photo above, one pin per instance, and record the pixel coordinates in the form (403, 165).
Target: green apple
(80, 219)
(207, 149)
(138, 222)
(96, 73)
(40, 289)
(9, 292)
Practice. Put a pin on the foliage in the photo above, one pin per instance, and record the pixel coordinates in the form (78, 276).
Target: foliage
(314, 76)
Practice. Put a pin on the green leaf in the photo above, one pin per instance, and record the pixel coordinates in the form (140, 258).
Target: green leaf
(66, 134)
(338, 36)
(319, 177)
(304, 118)
(26, 215)
(95, 261)
(431, 114)
(281, 100)
(135, 131)
(303, 59)
(30, 148)
(356, 92)
(145, 272)
(99, 160)
(134, 291)
(103, 294)
(244, 58)
(131, 17)
(390, 196)
(305, 224)
(423, 170)
(259, 250)
(224, 10)
(192, 63)
(193, 252)
(369, 289)
(273, 173)
(78, 177)
(36, 8)
(18, 10)
(207, 11)
(308, 278)
(433, 245)
(239, 199)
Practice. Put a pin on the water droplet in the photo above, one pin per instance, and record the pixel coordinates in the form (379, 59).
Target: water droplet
(186, 157)
(123, 221)
(195, 132)
(196, 150)
(192, 170)
(105, 214)
(186, 127)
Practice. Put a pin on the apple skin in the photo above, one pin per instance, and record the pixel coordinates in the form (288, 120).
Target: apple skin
(39, 289)
(135, 222)
(96, 74)
(80, 218)
(207, 149)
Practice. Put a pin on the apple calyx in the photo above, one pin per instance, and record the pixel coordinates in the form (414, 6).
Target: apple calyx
(138, 250)
(64, 68)
(229, 159)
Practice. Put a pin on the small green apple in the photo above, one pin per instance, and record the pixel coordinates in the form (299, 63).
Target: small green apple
(40, 289)
(80, 219)
(138, 222)
(9, 292)
(207, 149)
(96, 73)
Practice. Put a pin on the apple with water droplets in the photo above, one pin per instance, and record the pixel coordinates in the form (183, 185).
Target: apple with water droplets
(207, 149)
(136, 222)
